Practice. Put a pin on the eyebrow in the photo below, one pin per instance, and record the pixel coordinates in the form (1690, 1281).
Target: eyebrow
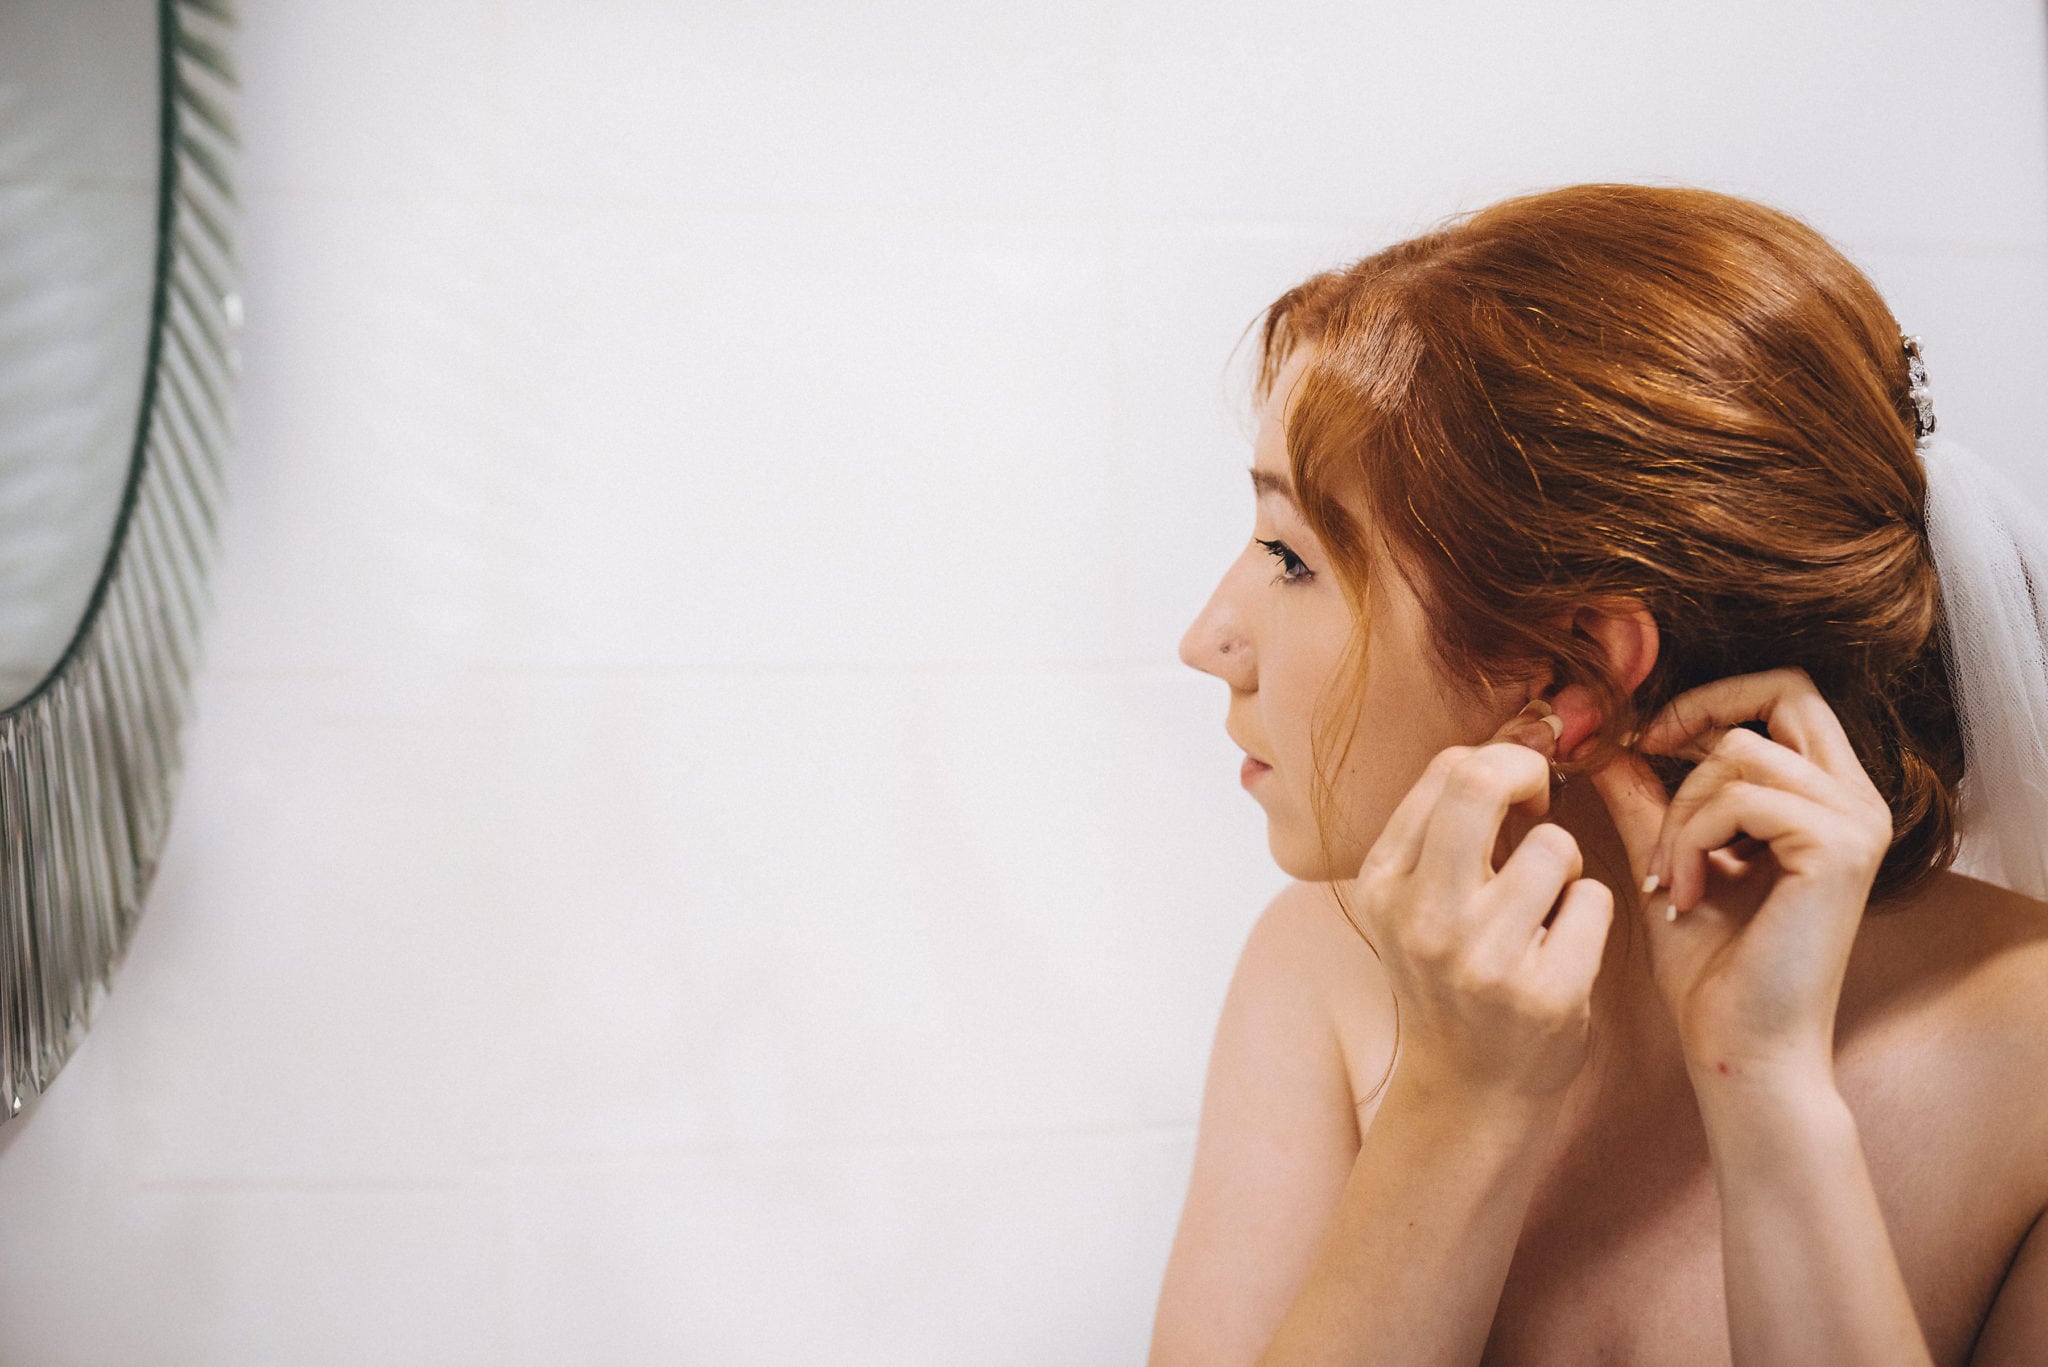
(1266, 482)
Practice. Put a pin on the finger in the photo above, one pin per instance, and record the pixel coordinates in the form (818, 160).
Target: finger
(1636, 802)
(1743, 756)
(1695, 746)
(1458, 842)
(1525, 890)
(1570, 953)
(1733, 861)
(1538, 733)
(1399, 844)
(1779, 819)
(1785, 700)
(1742, 753)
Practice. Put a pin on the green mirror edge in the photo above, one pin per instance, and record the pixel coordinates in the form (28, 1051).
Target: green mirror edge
(90, 759)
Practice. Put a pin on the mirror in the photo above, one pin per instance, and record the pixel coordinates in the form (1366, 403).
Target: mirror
(117, 313)
(78, 182)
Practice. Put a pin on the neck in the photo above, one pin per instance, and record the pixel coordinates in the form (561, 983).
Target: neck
(1631, 1023)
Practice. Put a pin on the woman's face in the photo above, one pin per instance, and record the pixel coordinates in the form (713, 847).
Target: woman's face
(1275, 630)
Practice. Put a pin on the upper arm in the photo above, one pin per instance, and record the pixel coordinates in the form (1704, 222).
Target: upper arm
(2015, 1328)
(2015, 1332)
(1277, 1140)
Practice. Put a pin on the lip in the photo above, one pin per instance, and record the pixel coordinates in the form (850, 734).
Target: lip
(1249, 772)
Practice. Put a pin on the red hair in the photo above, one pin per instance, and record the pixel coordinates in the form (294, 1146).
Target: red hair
(1632, 392)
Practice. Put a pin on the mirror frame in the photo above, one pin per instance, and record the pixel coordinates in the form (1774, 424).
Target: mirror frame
(90, 758)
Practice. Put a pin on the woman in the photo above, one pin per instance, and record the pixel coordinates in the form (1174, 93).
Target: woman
(1595, 519)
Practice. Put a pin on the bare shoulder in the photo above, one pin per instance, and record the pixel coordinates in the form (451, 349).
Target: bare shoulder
(1304, 952)
(1972, 952)
(2000, 1002)
(1335, 959)
(1999, 1053)
(2012, 963)
(1951, 992)
(1278, 1134)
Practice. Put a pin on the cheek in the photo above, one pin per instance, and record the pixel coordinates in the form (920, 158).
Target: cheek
(1402, 721)
(1406, 721)
(1297, 687)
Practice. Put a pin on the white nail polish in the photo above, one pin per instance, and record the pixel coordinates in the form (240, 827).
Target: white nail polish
(1671, 911)
(1650, 884)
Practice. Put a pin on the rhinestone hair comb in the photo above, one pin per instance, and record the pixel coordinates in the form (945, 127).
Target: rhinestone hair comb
(1916, 379)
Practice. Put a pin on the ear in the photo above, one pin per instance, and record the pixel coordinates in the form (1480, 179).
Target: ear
(1628, 633)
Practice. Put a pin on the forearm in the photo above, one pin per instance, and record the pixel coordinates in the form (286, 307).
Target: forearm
(1810, 1274)
(1411, 1266)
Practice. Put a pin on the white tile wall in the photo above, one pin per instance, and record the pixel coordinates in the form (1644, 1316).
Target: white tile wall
(1010, 1250)
(909, 109)
(1897, 119)
(697, 846)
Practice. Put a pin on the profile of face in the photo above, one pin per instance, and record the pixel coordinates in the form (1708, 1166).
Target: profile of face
(1275, 630)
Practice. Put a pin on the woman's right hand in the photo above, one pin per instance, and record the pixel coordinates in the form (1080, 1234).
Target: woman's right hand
(1492, 1004)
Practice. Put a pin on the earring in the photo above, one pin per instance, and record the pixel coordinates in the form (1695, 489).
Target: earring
(1537, 707)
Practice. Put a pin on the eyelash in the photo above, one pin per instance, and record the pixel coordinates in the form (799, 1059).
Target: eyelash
(1289, 562)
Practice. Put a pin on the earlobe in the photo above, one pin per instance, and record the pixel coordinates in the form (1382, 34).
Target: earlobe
(1575, 710)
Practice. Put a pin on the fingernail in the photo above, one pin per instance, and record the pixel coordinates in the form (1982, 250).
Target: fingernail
(1629, 739)
(1544, 712)
(1671, 912)
(1650, 884)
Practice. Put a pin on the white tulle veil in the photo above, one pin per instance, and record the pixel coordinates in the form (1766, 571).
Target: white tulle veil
(1990, 546)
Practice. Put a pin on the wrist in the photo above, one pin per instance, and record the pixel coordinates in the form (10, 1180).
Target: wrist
(1791, 1089)
(1476, 1111)
(1785, 1070)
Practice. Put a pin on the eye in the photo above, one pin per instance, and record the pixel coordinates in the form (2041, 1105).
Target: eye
(1290, 562)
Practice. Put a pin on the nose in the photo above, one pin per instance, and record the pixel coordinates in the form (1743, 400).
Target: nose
(1216, 642)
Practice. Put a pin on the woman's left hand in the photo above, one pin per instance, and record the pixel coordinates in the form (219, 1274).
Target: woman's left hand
(1752, 967)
